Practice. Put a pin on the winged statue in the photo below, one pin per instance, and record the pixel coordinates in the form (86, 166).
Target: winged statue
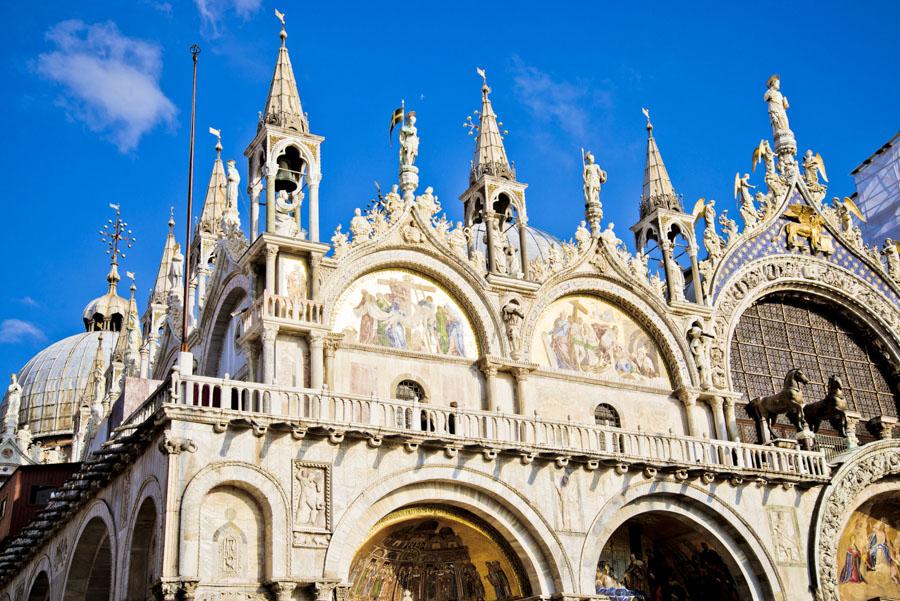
(810, 225)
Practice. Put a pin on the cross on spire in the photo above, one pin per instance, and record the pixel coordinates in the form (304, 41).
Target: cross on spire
(117, 237)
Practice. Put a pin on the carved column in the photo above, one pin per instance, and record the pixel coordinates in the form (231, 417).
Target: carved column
(716, 403)
(254, 187)
(269, 173)
(314, 208)
(734, 433)
(522, 404)
(490, 375)
(489, 218)
(331, 346)
(695, 272)
(316, 360)
(852, 421)
(669, 265)
(523, 245)
(269, 334)
(689, 400)
(315, 266)
(271, 255)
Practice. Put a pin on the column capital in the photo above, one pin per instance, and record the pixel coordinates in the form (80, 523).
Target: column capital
(317, 339)
(270, 332)
(488, 367)
(271, 250)
(282, 589)
(189, 588)
(715, 401)
(687, 397)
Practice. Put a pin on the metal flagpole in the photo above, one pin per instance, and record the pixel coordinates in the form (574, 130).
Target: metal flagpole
(186, 305)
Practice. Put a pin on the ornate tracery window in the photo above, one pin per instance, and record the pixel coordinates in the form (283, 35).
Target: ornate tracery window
(780, 332)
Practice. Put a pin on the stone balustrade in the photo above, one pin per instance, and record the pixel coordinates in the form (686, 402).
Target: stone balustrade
(489, 432)
(284, 308)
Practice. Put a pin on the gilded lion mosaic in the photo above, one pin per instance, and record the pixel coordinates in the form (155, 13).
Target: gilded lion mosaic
(399, 309)
(587, 334)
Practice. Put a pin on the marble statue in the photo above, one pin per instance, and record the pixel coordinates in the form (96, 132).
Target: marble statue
(339, 242)
(744, 197)
(698, 341)
(778, 105)
(360, 227)
(458, 240)
(53, 455)
(37, 452)
(427, 203)
(609, 236)
(393, 204)
(512, 319)
(499, 243)
(285, 206)
(13, 402)
(409, 141)
(230, 218)
(24, 438)
(176, 270)
(729, 226)
(593, 177)
(582, 237)
(673, 273)
(891, 252)
(813, 167)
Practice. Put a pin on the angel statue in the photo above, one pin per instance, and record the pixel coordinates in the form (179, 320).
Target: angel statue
(778, 105)
(742, 188)
(763, 152)
(409, 141)
(846, 208)
(729, 227)
(711, 239)
(813, 166)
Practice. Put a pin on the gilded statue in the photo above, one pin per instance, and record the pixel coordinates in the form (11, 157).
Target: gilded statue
(809, 225)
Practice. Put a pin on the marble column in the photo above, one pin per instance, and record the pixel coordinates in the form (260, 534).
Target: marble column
(490, 217)
(271, 255)
(522, 404)
(316, 360)
(331, 346)
(314, 209)
(523, 245)
(315, 266)
(270, 198)
(734, 434)
(270, 333)
(695, 272)
(490, 375)
(689, 400)
(716, 404)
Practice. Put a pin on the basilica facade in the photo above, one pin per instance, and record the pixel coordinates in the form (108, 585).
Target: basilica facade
(418, 410)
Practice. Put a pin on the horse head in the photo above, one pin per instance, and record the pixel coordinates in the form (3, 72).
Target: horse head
(798, 376)
(834, 383)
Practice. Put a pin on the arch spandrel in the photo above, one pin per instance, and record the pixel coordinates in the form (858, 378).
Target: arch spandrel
(669, 346)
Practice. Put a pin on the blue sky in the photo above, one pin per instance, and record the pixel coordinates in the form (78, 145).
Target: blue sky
(97, 111)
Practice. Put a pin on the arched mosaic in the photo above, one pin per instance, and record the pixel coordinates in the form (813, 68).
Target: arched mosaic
(587, 334)
(434, 553)
(869, 551)
(402, 310)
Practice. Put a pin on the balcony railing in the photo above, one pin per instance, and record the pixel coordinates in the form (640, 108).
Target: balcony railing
(276, 306)
(479, 429)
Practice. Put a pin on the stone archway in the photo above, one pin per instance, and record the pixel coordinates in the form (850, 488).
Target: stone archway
(436, 552)
(142, 555)
(40, 588)
(90, 569)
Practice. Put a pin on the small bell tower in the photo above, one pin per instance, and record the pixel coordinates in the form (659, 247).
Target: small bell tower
(284, 157)
(494, 197)
(664, 222)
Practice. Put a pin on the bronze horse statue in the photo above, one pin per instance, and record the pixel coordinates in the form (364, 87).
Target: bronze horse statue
(788, 401)
(832, 408)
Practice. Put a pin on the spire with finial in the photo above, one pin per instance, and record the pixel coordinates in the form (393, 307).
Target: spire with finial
(283, 107)
(214, 204)
(490, 155)
(117, 237)
(658, 191)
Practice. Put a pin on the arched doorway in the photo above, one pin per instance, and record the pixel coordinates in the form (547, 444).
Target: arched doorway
(40, 588)
(142, 555)
(868, 552)
(661, 555)
(436, 553)
(90, 571)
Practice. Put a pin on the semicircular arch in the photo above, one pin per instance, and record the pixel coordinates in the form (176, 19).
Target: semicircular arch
(660, 330)
(468, 294)
(694, 505)
(265, 490)
(533, 539)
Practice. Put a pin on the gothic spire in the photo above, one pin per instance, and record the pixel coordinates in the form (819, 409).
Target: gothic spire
(658, 191)
(283, 107)
(490, 155)
(162, 285)
(215, 203)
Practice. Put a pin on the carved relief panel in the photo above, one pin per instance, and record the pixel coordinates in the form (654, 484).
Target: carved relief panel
(311, 503)
(785, 535)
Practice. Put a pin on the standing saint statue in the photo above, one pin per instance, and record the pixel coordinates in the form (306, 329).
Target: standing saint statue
(13, 402)
(285, 205)
(593, 177)
(409, 141)
(778, 105)
(231, 217)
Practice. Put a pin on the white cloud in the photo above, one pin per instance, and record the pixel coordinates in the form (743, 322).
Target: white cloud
(211, 11)
(14, 331)
(111, 81)
(28, 302)
(564, 104)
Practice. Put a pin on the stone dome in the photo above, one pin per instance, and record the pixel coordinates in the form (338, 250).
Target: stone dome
(539, 242)
(54, 379)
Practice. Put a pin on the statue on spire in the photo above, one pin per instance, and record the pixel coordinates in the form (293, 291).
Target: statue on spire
(409, 141)
(785, 144)
(593, 177)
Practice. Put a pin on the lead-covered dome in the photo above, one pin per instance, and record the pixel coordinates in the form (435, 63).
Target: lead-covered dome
(54, 380)
(105, 312)
(538, 241)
